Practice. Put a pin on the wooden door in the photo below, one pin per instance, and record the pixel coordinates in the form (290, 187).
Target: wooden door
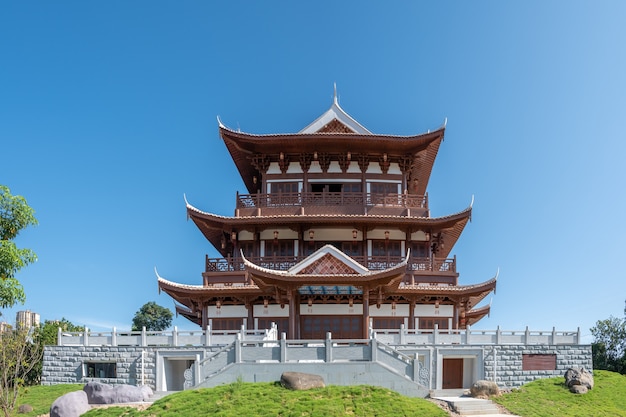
(452, 373)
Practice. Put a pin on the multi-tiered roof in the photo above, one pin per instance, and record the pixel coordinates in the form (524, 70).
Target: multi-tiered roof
(336, 223)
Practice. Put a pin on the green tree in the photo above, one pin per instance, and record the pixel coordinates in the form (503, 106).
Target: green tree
(19, 353)
(15, 215)
(153, 317)
(609, 347)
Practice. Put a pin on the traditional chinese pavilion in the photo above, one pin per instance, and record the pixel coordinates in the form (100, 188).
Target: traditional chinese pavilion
(333, 235)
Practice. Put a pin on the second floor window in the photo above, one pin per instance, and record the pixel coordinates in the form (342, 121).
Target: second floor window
(386, 248)
(279, 248)
(284, 187)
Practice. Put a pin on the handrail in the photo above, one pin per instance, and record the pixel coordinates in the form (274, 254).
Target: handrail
(214, 354)
(308, 199)
(388, 337)
(376, 263)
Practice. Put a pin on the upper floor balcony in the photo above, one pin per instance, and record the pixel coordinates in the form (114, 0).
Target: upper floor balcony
(428, 270)
(332, 203)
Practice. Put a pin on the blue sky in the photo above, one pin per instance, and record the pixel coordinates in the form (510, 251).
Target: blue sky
(108, 116)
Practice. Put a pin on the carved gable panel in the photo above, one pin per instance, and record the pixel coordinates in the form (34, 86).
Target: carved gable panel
(335, 126)
(327, 265)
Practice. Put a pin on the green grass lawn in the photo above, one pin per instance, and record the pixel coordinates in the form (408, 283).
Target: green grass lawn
(542, 398)
(270, 399)
(550, 397)
(41, 397)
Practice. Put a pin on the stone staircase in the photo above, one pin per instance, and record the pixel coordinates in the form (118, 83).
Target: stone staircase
(468, 406)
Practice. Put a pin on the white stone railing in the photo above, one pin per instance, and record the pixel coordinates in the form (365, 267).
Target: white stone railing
(469, 336)
(175, 337)
(393, 337)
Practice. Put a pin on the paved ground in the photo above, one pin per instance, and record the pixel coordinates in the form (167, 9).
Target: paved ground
(468, 406)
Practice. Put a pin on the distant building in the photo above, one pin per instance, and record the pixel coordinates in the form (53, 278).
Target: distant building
(26, 319)
(4, 326)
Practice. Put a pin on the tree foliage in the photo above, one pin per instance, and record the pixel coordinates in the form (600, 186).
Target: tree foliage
(19, 354)
(153, 317)
(15, 215)
(609, 347)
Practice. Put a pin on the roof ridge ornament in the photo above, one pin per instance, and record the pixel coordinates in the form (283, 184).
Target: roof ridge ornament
(335, 99)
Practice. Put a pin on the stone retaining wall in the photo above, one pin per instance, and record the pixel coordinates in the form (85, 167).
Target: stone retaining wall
(500, 363)
(509, 371)
(67, 364)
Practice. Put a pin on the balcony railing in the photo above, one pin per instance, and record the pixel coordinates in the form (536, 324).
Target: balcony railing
(375, 263)
(344, 199)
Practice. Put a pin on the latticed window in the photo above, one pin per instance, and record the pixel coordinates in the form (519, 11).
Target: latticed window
(247, 248)
(383, 188)
(279, 247)
(427, 323)
(386, 248)
(284, 187)
(419, 249)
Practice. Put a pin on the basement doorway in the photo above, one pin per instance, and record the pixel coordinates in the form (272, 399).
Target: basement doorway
(177, 371)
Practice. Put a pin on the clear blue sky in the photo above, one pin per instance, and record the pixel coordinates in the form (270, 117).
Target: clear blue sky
(108, 116)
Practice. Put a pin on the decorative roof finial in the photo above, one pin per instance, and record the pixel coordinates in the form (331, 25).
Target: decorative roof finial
(335, 93)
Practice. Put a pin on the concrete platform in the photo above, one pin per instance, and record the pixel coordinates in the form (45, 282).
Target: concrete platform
(468, 406)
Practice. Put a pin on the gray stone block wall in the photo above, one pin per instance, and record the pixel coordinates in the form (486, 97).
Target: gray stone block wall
(66, 364)
(508, 371)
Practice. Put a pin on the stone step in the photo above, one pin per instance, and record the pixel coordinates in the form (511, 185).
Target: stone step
(467, 406)
(160, 394)
(476, 407)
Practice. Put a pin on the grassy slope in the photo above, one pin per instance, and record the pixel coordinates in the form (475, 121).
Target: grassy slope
(546, 397)
(41, 397)
(270, 399)
(550, 397)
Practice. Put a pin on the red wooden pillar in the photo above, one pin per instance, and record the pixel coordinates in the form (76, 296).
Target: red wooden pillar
(366, 313)
(292, 314)
(411, 314)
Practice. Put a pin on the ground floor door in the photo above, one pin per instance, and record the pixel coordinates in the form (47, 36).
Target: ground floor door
(341, 327)
(452, 373)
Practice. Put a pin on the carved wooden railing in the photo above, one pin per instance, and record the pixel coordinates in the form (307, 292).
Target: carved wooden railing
(377, 263)
(346, 199)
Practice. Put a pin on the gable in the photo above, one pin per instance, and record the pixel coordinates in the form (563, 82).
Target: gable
(327, 265)
(335, 126)
(328, 260)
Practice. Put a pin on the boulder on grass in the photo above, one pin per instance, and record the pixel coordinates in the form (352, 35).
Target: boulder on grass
(99, 393)
(301, 381)
(578, 389)
(578, 376)
(484, 389)
(72, 404)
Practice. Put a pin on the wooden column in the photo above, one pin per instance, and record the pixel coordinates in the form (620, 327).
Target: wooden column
(250, 307)
(292, 314)
(203, 315)
(366, 313)
(411, 314)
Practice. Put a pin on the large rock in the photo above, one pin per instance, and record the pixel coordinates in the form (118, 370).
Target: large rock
(301, 381)
(578, 376)
(99, 393)
(578, 389)
(484, 389)
(72, 404)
